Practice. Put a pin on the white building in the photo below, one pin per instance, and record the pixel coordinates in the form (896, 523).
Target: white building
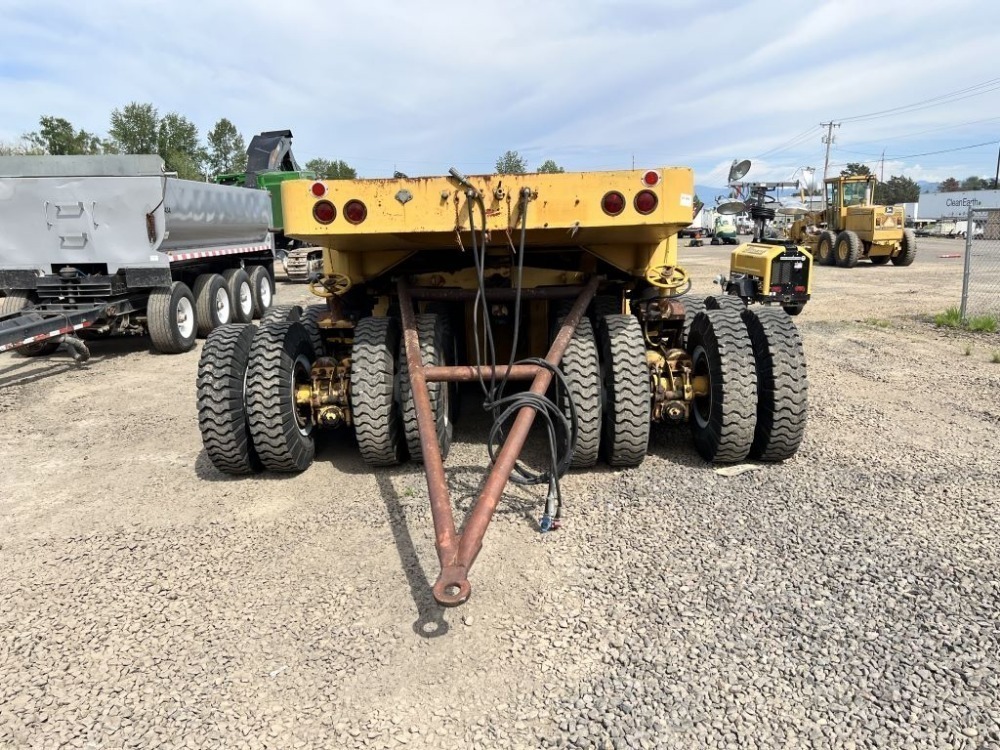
(955, 205)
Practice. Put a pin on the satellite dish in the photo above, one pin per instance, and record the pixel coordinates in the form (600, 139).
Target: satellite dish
(792, 209)
(739, 170)
(731, 207)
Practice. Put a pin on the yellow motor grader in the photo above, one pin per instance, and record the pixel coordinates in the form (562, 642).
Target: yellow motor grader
(560, 296)
(853, 227)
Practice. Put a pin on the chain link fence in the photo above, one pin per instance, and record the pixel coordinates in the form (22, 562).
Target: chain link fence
(981, 276)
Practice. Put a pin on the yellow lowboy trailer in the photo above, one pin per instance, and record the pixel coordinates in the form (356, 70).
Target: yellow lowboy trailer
(559, 295)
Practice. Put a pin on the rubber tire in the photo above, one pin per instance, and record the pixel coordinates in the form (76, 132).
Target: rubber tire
(261, 302)
(826, 242)
(794, 309)
(782, 385)
(432, 330)
(207, 289)
(161, 319)
(581, 367)
(850, 244)
(604, 304)
(281, 313)
(720, 347)
(692, 306)
(879, 260)
(310, 319)
(222, 411)
(725, 302)
(626, 411)
(374, 407)
(235, 279)
(715, 241)
(15, 301)
(908, 249)
(271, 410)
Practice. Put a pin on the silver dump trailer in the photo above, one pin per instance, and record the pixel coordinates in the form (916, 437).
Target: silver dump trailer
(94, 246)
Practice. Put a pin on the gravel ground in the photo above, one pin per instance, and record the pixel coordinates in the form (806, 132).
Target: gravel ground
(846, 598)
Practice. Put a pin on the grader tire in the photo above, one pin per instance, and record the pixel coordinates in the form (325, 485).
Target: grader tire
(692, 306)
(782, 387)
(604, 304)
(626, 409)
(432, 331)
(581, 367)
(824, 248)
(15, 301)
(281, 313)
(310, 319)
(222, 412)
(723, 420)
(373, 402)
(280, 357)
(848, 249)
(908, 249)
(879, 260)
(725, 302)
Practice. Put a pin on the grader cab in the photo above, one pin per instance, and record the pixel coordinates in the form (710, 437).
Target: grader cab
(559, 296)
(853, 227)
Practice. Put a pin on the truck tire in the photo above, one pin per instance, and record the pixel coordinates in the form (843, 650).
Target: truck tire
(310, 319)
(263, 290)
(723, 420)
(281, 358)
(15, 301)
(879, 260)
(432, 331)
(604, 304)
(222, 410)
(278, 313)
(213, 305)
(625, 379)
(847, 249)
(907, 250)
(824, 248)
(581, 367)
(374, 407)
(782, 386)
(725, 302)
(240, 294)
(692, 306)
(171, 319)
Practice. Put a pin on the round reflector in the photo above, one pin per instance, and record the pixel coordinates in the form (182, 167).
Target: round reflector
(318, 189)
(613, 203)
(355, 211)
(645, 201)
(651, 178)
(324, 212)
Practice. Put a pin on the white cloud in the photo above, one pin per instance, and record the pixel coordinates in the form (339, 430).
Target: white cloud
(591, 84)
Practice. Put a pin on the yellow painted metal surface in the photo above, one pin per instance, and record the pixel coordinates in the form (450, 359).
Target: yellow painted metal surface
(755, 260)
(432, 214)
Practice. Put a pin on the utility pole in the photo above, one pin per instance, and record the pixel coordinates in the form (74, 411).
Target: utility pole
(828, 140)
(998, 170)
(881, 170)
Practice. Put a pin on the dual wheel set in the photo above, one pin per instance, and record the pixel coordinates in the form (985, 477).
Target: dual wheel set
(845, 249)
(176, 315)
(252, 417)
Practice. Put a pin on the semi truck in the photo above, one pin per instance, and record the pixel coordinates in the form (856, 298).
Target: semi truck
(95, 246)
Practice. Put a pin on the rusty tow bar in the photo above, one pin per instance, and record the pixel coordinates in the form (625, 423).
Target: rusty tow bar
(457, 552)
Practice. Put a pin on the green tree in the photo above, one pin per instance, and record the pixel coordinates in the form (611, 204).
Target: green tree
(227, 151)
(135, 129)
(696, 205)
(976, 183)
(178, 145)
(332, 170)
(57, 136)
(550, 167)
(897, 190)
(951, 185)
(511, 163)
(854, 168)
(23, 148)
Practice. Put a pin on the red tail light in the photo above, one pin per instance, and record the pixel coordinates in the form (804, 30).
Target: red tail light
(775, 287)
(324, 212)
(355, 211)
(651, 178)
(800, 288)
(646, 201)
(613, 203)
(318, 189)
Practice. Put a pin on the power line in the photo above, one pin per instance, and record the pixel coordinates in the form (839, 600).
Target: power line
(933, 153)
(789, 143)
(976, 90)
(924, 132)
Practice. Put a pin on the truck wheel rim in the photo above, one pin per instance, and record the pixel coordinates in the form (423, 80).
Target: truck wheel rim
(265, 292)
(246, 298)
(301, 375)
(185, 317)
(222, 305)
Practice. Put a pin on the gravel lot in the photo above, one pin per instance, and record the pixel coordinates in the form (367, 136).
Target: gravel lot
(846, 598)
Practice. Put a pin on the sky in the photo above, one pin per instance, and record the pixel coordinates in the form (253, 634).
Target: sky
(593, 84)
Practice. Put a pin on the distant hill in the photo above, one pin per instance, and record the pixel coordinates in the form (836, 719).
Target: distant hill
(927, 187)
(708, 194)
